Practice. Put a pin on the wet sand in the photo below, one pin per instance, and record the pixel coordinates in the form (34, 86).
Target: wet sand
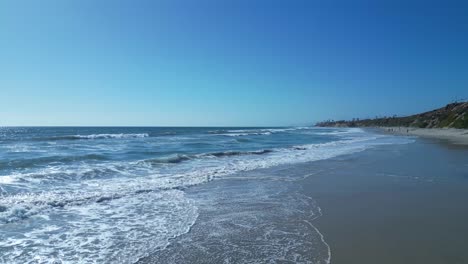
(451, 135)
(394, 204)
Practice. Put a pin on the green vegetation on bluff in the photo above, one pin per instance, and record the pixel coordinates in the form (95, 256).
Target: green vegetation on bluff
(453, 115)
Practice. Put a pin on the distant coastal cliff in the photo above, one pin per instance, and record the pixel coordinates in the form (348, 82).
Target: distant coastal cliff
(453, 115)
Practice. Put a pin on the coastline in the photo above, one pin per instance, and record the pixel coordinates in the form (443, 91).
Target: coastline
(452, 135)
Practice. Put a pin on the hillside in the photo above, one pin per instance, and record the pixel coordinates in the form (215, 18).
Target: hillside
(453, 115)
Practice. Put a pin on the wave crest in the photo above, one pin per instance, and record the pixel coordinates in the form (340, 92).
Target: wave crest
(97, 136)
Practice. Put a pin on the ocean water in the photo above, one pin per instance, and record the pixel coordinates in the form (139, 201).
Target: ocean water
(164, 195)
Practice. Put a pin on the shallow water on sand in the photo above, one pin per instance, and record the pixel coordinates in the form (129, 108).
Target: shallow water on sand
(253, 221)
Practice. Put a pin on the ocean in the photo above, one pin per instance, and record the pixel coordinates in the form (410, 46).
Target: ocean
(165, 195)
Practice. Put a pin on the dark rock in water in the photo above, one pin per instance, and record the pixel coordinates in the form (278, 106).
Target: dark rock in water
(299, 148)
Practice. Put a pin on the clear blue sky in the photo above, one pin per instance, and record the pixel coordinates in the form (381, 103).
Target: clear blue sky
(219, 63)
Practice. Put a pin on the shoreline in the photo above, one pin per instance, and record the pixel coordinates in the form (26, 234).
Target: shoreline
(452, 135)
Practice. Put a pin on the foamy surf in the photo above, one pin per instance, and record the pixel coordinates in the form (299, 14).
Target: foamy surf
(112, 231)
(103, 136)
(93, 199)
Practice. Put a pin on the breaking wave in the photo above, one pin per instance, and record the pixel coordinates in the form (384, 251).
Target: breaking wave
(109, 201)
(95, 136)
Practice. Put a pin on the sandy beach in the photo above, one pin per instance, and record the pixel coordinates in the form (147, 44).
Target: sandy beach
(457, 136)
(395, 204)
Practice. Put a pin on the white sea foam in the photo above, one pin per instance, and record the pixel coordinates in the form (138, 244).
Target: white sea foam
(202, 167)
(113, 231)
(246, 134)
(18, 148)
(101, 136)
(137, 207)
(255, 131)
(271, 130)
(339, 132)
(269, 214)
(143, 175)
(7, 179)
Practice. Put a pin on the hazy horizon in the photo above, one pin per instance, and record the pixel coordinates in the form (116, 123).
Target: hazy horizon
(214, 64)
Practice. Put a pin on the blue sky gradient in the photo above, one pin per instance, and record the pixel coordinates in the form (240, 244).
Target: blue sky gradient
(227, 63)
